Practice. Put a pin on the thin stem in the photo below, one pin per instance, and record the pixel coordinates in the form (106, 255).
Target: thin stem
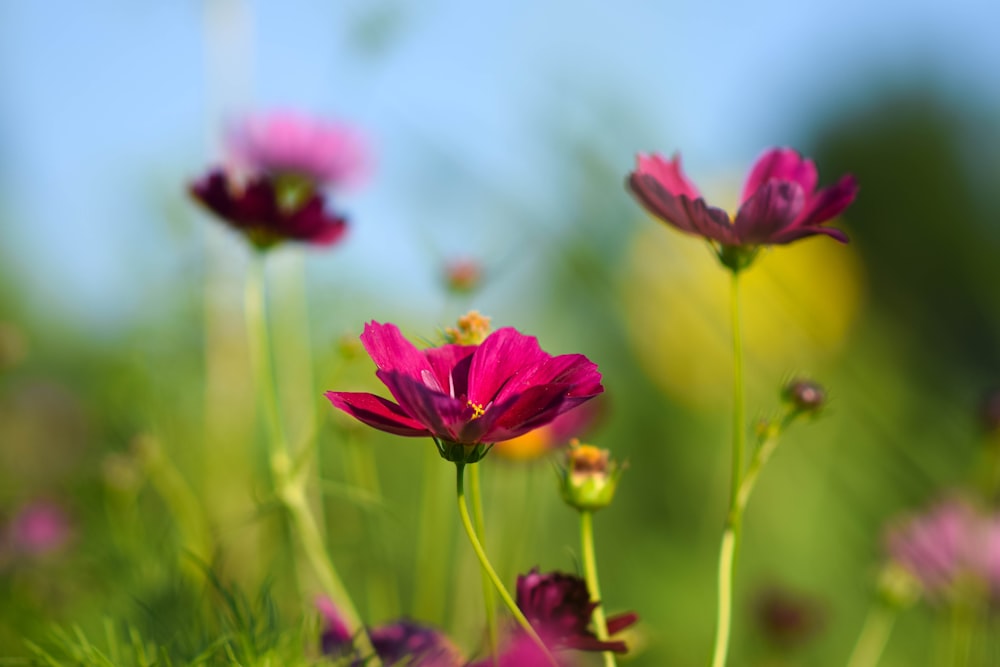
(873, 638)
(590, 574)
(260, 353)
(734, 518)
(488, 600)
(739, 397)
(463, 511)
(288, 485)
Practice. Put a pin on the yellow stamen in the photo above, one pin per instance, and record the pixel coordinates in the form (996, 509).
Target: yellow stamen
(477, 410)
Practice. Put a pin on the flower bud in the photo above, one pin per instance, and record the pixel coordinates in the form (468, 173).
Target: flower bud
(804, 395)
(463, 276)
(590, 478)
(897, 587)
(472, 329)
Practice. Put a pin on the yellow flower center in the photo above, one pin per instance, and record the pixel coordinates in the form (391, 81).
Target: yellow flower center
(477, 410)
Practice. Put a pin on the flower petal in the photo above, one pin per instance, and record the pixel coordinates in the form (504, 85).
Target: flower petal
(691, 216)
(571, 369)
(312, 223)
(771, 210)
(377, 412)
(392, 352)
(796, 233)
(450, 364)
(619, 622)
(441, 414)
(667, 173)
(780, 164)
(830, 202)
(534, 407)
(504, 355)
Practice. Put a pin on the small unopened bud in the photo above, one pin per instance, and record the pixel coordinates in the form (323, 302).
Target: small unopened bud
(590, 478)
(804, 395)
(989, 412)
(463, 276)
(472, 329)
(897, 587)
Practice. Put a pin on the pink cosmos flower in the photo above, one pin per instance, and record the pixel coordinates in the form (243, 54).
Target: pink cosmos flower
(257, 209)
(325, 152)
(948, 543)
(468, 395)
(779, 203)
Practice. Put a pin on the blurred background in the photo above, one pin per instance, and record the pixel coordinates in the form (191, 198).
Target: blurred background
(502, 134)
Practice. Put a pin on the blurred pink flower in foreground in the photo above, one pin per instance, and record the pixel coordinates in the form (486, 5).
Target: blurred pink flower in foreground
(328, 153)
(39, 528)
(949, 544)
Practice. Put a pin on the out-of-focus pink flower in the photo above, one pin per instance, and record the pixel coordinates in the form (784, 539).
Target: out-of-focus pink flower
(949, 543)
(780, 202)
(468, 395)
(327, 153)
(39, 528)
(257, 209)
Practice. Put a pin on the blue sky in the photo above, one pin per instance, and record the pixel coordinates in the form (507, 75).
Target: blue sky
(107, 108)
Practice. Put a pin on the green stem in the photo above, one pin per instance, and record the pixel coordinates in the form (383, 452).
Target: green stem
(590, 573)
(734, 518)
(463, 511)
(260, 353)
(288, 485)
(873, 638)
(488, 600)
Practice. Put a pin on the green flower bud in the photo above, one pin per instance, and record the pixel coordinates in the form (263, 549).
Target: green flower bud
(589, 479)
(897, 587)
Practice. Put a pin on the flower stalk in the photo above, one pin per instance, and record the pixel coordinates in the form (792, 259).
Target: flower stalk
(734, 518)
(590, 574)
(288, 479)
(463, 511)
(488, 600)
(874, 636)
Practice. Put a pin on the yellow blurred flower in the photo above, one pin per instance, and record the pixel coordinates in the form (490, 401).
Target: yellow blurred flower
(798, 304)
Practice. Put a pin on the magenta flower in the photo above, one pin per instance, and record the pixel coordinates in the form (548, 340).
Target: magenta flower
(257, 209)
(949, 543)
(559, 607)
(324, 152)
(469, 395)
(779, 204)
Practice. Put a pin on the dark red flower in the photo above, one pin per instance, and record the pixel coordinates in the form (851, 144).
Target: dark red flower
(559, 607)
(468, 394)
(257, 208)
(779, 203)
